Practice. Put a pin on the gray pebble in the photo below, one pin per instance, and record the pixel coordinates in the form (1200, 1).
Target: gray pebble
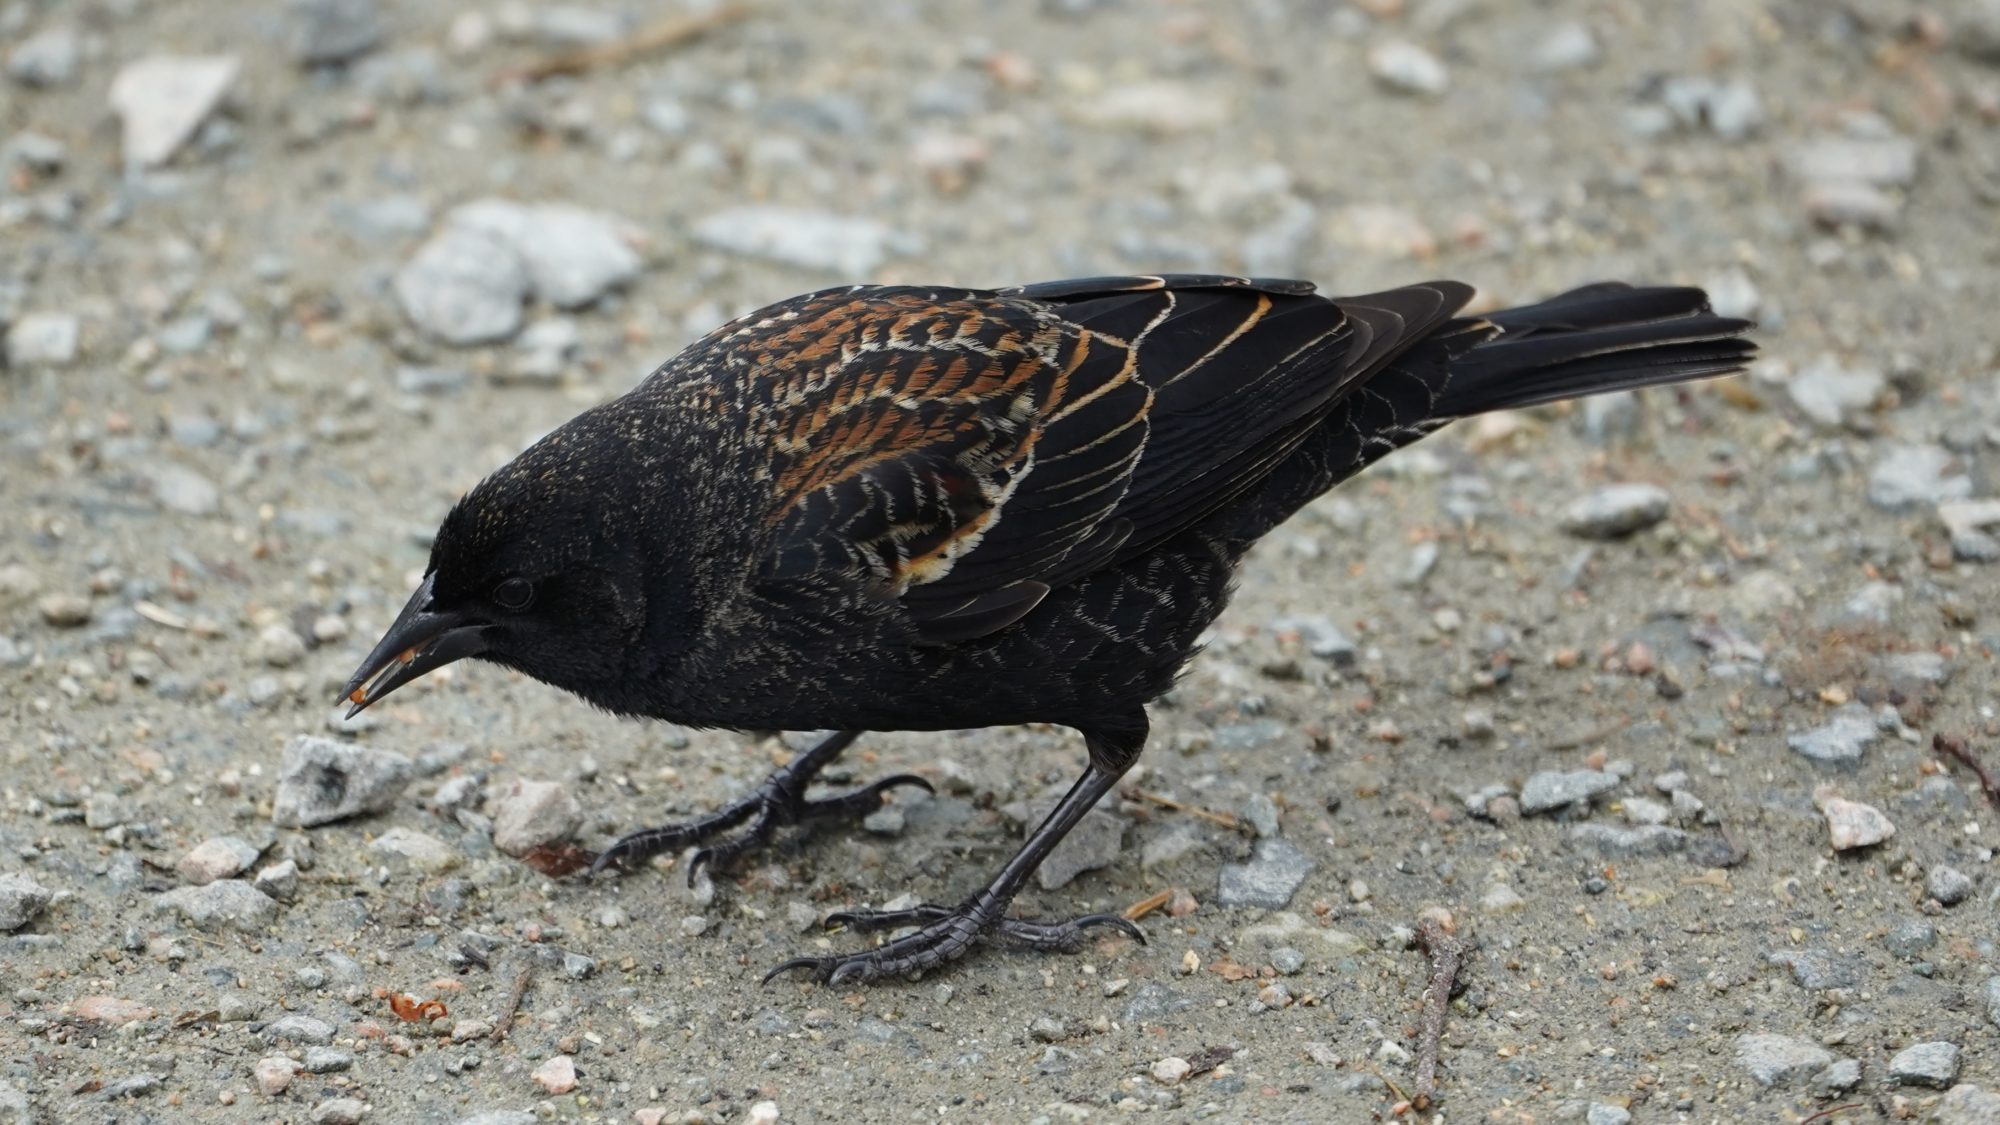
(464, 286)
(43, 339)
(1568, 45)
(180, 489)
(280, 880)
(1262, 814)
(1837, 1079)
(339, 1111)
(1614, 841)
(1912, 475)
(1833, 394)
(218, 857)
(1616, 510)
(1406, 68)
(1154, 1001)
(1967, 1104)
(1777, 1060)
(1840, 741)
(225, 903)
(1287, 960)
(529, 814)
(388, 218)
(47, 58)
(1548, 790)
(1169, 844)
(1819, 969)
(1093, 844)
(1276, 870)
(1910, 938)
(888, 820)
(334, 31)
(298, 1028)
(1601, 1113)
(572, 255)
(1948, 885)
(327, 1060)
(22, 900)
(322, 781)
(1926, 1064)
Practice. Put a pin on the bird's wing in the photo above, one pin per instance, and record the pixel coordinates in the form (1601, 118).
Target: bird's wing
(963, 452)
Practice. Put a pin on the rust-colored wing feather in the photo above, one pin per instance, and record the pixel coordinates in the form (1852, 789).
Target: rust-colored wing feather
(962, 452)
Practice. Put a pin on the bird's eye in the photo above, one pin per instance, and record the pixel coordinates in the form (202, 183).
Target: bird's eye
(514, 593)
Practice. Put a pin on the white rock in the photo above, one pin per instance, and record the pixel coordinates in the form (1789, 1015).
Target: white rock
(1170, 1070)
(178, 488)
(163, 99)
(1776, 1060)
(557, 1076)
(43, 339)
(22, 900)
(1407, 68)
(573, 255)
(1616, 510)
(274, 1073)
(1157, 107)
(420, 850)
(528, 814)
(323, 780)
(1851, 824)
(225, 903)
(464, 286)
(1912, 475)
(816, 240)
(218, 857)
(47, 58)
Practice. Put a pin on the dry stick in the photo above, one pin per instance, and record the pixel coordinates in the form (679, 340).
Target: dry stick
(1224, 819)
(520, 990)
(1148, 904)
(1829, 1112)
(1954, 746)
(1437, 932)
(654, 37)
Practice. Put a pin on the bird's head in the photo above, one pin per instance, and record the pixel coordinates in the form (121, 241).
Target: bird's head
(533, 569)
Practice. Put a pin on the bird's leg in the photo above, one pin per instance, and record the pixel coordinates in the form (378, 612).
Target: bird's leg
(946, 933)
(779, 801)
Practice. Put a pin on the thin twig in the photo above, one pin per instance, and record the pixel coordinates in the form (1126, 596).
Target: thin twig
(1829, 1111)
(1437, 933)
(1148, 904)
(1224, 819)
(506, 1022)
(659, 36)
(1954, 746)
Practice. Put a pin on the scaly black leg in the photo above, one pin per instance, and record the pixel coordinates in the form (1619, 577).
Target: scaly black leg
(778, 802)
(947, 933)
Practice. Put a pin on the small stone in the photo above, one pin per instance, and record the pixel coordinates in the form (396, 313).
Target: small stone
(529, 814)
(327, 1060)
(65, 611)
(816, 240)
(1966, 1104)
(1047, 1029)
(1833, 395)
(279, 646)
(1645, 810)
(1844, 203)
(298, 1028)
(1276, 870)
(1819, 969)
(161, 100)
(1778, 1060)
(1406, 68)
(1926, 1064)
(1910, 475)
(1549, 790)
(762, 1113)
(322, 781)
(339, 1111)
(464, 286)
(280, 880)
(1842, 740)
(1875, 161)
(1502, 899)
(420, 850)
(43, 339)
(1948, 885)
(223, 904)
(218, 857)
(1911, 938)
(47, 58)
(1837, 1079)
(111, 1011)
(178, 488)
(1159, 107)
(1614, 841)
(1603, 1113)
(1171, 1070)
(1287, 960)
(573, 255)
(557, 1075)
(1615, 511)
(1567, 46)
(1989, 994)
(1851, 824)
(274, 1073)
(334, 31)
(889, 820)
(22, 900)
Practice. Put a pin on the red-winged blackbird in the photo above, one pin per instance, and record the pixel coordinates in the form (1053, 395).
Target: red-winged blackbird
(912, 508)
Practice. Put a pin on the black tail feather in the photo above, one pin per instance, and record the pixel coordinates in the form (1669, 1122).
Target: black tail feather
(1600, 338)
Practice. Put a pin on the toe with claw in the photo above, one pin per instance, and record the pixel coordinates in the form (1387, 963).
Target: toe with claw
(943, 934)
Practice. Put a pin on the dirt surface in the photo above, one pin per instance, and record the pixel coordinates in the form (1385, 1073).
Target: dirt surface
(217, 492)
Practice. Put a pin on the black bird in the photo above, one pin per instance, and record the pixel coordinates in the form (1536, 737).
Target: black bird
(925, 508)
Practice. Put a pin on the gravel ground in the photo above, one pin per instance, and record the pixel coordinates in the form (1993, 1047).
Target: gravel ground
(1644, 691)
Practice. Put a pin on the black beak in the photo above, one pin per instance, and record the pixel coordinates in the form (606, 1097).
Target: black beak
(422, 639)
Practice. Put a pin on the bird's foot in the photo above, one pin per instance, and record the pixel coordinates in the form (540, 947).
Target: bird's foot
(944, 933)
(779, 802)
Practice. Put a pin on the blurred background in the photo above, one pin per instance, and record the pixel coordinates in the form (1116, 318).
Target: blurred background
(278, 281)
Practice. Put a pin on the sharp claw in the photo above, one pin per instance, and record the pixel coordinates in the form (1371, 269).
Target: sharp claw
(701, 859)
(784, 967)
(1116, 921)
(846, 969)
(605, 860)
(904, 779)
